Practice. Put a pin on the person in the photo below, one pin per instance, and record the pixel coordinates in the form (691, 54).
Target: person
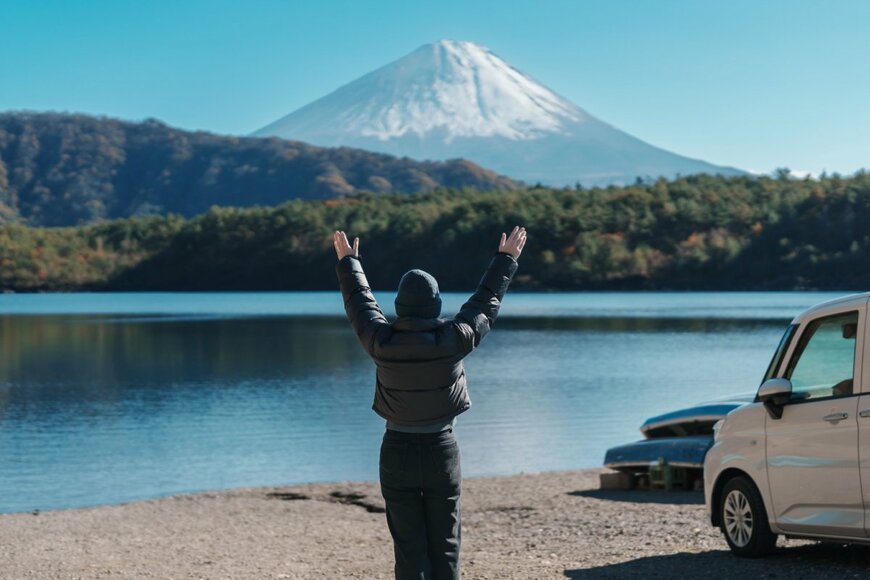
(420, 388)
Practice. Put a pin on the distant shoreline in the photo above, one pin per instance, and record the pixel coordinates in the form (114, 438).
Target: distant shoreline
(699, 233)
(660, 305)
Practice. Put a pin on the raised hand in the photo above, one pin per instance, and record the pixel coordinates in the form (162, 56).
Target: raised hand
(343, 247)
(513, 244)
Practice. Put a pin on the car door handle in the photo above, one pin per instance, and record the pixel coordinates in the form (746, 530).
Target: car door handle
(835, 417)
(865, 413)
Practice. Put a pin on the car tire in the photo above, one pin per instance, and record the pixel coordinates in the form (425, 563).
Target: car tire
(743, 519)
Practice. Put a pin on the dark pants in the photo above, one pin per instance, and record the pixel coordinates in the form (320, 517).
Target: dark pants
(420, 482)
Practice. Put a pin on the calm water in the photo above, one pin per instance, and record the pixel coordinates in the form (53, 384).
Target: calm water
(106, 398)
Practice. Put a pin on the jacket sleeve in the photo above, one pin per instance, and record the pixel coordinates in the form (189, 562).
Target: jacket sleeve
(476, 316)
(360, 305)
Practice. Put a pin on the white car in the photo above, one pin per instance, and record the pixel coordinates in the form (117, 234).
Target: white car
(793, 461)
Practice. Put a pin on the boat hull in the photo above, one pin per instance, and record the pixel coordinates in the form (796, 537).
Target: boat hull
(687, 452)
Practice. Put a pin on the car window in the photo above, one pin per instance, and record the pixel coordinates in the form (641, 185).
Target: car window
(824, 361)
(784, 343)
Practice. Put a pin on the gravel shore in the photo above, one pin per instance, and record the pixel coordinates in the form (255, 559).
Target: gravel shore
(549, 525)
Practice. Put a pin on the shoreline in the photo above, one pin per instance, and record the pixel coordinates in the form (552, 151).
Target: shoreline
(543, 525)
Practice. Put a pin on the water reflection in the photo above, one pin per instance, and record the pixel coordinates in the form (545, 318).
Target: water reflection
(108, 408)
(105, 349)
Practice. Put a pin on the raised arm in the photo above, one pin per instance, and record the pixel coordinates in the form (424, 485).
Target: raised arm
(476, 316)
(360, 305)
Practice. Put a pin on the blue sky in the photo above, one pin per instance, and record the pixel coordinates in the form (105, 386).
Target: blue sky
(754, 84)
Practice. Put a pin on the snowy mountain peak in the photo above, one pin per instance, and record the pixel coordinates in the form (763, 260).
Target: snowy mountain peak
(447, 89)
(453, 99)
(468, 91)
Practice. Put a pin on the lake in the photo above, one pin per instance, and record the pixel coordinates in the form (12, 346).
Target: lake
(107, 398)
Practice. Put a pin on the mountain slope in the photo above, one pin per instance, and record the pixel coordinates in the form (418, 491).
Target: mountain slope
(58, 169)
(457, 99)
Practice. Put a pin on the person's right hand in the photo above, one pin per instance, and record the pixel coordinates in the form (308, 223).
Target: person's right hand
(343, 247)
(514, 243)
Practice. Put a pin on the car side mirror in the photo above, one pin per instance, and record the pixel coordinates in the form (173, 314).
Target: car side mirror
(775, 393)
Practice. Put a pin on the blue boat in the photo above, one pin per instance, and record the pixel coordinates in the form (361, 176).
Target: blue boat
(686, 451)
(680, 438)
(698, 420)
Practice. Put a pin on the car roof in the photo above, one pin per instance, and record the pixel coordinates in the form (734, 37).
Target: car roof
(836, 303)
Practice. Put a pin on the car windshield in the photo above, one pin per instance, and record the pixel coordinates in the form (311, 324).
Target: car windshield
(780, 351)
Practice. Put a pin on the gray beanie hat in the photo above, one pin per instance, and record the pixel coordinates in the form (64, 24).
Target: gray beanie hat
(418, 295)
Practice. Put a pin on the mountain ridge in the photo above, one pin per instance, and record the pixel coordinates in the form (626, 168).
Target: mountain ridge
(59, 169)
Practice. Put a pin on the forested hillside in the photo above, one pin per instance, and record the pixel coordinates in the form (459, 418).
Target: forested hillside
(59, 169)
(693, 233)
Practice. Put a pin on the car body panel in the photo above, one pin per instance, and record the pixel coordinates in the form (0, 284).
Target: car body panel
(813, 469)
(739, 445)
(840, 304)
(864, 455)
(811, 476)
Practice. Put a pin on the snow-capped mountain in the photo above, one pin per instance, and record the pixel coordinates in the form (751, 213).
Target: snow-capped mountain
(457, 99)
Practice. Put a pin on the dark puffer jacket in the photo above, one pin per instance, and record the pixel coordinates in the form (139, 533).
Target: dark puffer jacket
(420, 376)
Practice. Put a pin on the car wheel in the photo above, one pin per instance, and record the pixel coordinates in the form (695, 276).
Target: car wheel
(744, 520)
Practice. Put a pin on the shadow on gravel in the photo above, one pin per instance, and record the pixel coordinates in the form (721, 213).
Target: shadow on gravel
(287, 496)
(356, 498)
(641, 496)
(824, 561)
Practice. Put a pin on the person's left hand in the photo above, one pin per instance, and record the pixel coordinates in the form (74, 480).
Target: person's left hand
(343, 247)
(514, 243)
